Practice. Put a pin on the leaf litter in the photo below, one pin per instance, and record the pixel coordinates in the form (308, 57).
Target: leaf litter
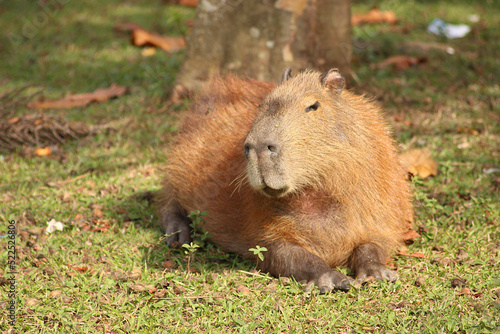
(80, 100)
(42, 131)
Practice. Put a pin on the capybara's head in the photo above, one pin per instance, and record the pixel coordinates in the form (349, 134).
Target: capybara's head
(298, 133)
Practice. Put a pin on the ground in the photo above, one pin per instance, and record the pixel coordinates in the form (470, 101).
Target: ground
(109, 270)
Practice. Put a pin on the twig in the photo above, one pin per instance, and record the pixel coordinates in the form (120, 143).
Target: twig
(254, 274)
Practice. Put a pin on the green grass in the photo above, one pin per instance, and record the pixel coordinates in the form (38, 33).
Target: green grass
(449, 105)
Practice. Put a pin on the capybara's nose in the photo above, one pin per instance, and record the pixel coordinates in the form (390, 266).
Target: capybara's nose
(266, 149)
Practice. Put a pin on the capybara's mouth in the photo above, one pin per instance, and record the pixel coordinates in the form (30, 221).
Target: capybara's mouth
(274, 192)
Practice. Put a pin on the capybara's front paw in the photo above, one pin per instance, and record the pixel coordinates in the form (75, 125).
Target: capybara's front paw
(377, 270)
(329, 281)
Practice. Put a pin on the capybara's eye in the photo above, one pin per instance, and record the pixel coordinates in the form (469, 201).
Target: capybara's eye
(313, 107)
(247, 150)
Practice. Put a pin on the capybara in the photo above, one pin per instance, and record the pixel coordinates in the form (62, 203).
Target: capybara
(305, 168)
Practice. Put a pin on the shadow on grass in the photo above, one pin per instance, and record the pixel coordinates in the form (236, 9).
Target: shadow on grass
(140, 209)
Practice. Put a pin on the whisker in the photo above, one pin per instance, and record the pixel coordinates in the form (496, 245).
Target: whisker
(239, 180)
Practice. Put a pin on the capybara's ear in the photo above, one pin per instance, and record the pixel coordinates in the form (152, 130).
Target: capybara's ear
(333, 80)
(287, 74)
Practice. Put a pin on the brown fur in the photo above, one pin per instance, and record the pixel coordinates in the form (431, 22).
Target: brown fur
(345, 186)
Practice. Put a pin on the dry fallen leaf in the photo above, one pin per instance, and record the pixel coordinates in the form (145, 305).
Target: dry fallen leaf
(42, 152)
(374, 16)
(467, 130)
(13, 120)
(79, 216)
(410, 235)
(466, 291)
(458, 282)
(98, 213)
(135, 274)
(32, 302)
(168, 264)
(240, 288)
(55, 294)
(80, 100)
(401, 62)
(79, 269)
(142, 287)
(186, 3)
(416, 254)
(66, 299)
(420, 281)
(101, 225)
(142, 37)
(419, 163)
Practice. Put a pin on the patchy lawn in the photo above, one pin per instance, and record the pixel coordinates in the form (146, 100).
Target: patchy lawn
(109, 269)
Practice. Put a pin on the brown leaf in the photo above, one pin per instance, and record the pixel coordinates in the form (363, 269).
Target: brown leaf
(142, 287)
(420, 281)
(461, 255)
(419, 163)
(98, 213)
(134, 274)
(101, 225)
(169, 264)
(416, 254)
(240, 288)
(186, 3)
(79, 216)
(80, 100)
(142, 37)
(48, 271)
(55, 294)
(410, 235)
(374, 16)
(458, 282)
(65, 197)
(401, 62)
(285, 280)
(66, 299)
(161, 293)
(42, 152)
(445, 261)
(270, 288)
(32, 302)
(467, 130)
(13, 120)
(465, 291)
(79, 269)
(179, 289)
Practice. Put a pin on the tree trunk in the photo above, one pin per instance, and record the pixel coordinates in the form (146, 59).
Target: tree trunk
(260, 38)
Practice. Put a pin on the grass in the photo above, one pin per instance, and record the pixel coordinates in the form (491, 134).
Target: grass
(110, 271)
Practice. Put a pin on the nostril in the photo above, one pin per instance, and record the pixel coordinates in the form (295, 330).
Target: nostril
(273, 149)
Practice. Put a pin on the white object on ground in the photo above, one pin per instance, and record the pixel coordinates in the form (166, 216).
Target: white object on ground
(54, 226)
(450, 31)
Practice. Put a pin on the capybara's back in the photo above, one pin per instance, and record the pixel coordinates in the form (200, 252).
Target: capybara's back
(306, 169)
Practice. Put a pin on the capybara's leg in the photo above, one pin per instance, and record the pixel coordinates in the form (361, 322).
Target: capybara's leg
(174, 223)
(367, 259)
(287, 259)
